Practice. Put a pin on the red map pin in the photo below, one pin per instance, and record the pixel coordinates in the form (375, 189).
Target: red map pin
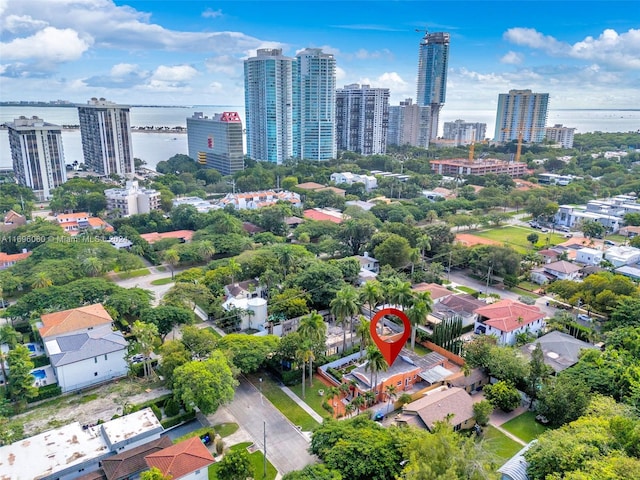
(390, 350)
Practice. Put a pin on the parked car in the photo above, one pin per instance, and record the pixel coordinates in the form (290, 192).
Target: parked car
(584, 317)
(3, 303)
(568, 235)
(544, 230)
(609, 242)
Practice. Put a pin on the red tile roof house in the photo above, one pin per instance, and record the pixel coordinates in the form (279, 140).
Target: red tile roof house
(187, 460)
(184, 236)
(507, 318)
(8, 260)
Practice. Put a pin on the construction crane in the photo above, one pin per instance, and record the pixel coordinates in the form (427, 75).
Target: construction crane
(519, 147)
(471, 150)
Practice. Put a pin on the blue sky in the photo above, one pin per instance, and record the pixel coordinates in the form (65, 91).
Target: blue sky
(584, 54)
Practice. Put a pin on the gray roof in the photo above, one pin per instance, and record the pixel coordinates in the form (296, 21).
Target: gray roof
(516, 466)
(463, 304)
(561, 350)
(68, 349)
(407, 361)
(437, 405)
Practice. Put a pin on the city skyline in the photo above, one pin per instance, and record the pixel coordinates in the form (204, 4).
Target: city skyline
(192, 53)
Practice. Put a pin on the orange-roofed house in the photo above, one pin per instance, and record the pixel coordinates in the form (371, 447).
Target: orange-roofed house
(324, 214)
(507, 318)
(74, 223)
(187, 460)
(184, 236)
(75, 320)
(313, 186)
(7, 260)
(12, 220)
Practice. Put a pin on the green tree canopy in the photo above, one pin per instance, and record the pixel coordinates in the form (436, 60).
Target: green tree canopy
(248, 352)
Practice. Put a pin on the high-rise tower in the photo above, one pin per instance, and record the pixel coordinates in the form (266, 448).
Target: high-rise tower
(314, 105)
(362, 119)
(269, 96)
(106, 137)
(433, 59)
(521, 114)
(409, 124)
(37, 154)
(216, 142)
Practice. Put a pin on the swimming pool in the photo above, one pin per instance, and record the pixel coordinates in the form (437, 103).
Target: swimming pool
(31, 347)
(39, 374)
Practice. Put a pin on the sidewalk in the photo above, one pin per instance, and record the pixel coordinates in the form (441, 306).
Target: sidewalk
(508, 434)
(318, 418)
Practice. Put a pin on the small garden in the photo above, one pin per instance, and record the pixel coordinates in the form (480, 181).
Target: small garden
(525, 427)
(256, 458)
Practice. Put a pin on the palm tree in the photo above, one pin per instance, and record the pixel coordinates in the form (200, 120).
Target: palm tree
(363, 332)
(392, 393)
(400, 293)
(146, 334)
(358, 402)
(286, 258)
(349, 409)
(234, 269)
(172, 258)
(424, 244)
(303, 355)
(313, 330)
(42, 280)
(414, 256)
(11, 337)
(371, 294)
(369, 397)
(344, 306)
(206, 250)
(375, 363)
(417, 313)
(92, 266)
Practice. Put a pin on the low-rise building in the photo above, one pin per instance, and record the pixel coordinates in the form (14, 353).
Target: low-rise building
(560, 350)
(10, 259)
(256, 200)
(11, 221)
(187, 460)
(589, 256)
(463, 306)
(184, 236)
(202, 206)
(622, 255)
(506, 319)
(75, 223)
(560, 270)
(67, 452)
(453, 404)
(324, 215)
(369, 181)
(131, 200)
(462, 166)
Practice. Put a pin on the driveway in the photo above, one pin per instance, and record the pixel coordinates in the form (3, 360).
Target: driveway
(145, 282)
(287, 448)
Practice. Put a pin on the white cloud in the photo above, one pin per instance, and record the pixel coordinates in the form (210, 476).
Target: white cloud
(177, 73)
(224, 64)
(49, 45)
(341, 74)
(123, 69)
(209, 13)
(618, 50)
(22, 23)
(364, 54)
(216, 87)
(512, 58)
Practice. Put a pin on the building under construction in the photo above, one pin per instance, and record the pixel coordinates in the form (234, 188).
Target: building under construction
(480, 167)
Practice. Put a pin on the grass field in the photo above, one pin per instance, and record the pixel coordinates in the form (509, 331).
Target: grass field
(282, 402)
(465, 289)
(214, 331)
(313, 399)
(133, 273)
(525, 427)
(498, 444)
(162, 281)
(516, 237)
(257, 464)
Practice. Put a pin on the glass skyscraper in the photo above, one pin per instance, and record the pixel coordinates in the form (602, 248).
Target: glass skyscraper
(217, 141)
(521, 112)
(433, 60)
(290, 105)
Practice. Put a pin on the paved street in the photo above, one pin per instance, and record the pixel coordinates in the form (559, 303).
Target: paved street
(286, 446)
(145, 282)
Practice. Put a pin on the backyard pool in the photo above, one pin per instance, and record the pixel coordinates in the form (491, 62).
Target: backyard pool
(39, 374)
(31, 347)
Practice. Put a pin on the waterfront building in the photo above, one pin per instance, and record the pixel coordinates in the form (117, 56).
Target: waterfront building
(217, 141)
(105, 131)
(362, 119)
(409, 124)
(314, 105)
(37, 155)
(268, 90)
(464, 133)
(561, 135)
(132, 199)
(521, 114)
(433, 59)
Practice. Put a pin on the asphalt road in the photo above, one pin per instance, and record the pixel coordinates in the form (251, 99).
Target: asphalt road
(286, 446)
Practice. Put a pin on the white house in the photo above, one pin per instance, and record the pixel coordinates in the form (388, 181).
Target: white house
(560, 270)
(507, 318)
(187, 460)
(589, 256)
(370, 182)
(87, 358)
(622, 255)
(66, 452)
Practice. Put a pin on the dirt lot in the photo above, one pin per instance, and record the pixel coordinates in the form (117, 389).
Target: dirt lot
(89, 406)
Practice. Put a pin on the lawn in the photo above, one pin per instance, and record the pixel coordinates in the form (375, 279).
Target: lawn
(468, 290)
(162, 281)
(214, 331)
(313, 398)
(133, 273)
(501, 446)
(516, 237)
(282, 402)
(522, 292)
(525, 427)
(420, 350)
(257, 463)
(225, 429)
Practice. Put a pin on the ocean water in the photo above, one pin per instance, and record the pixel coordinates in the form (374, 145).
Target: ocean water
(155, 147)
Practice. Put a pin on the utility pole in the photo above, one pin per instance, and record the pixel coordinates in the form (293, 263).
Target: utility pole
(264, 441)
(486, 292)
(449, 269)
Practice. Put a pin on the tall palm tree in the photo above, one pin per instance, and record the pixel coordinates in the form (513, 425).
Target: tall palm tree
(358, 402)
(234, 269)
(349, 408)
(371, 294)
(172, 258)
(400, 293)
(392, 393)
(206, 250)
(313, 330)
(286, 258)
(363, 333)
(375, 363)
(424, 244)
(417, 313)
(344, 306)
(303, 355)
(92, 266)
(369, 397)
